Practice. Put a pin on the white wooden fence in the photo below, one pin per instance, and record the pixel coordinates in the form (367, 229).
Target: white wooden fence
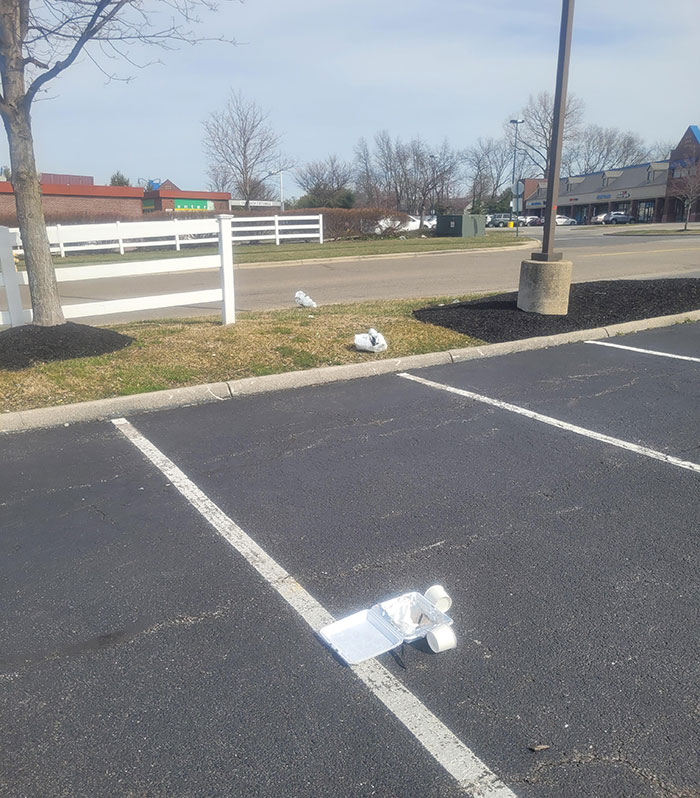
(11, 279)
(174, 232)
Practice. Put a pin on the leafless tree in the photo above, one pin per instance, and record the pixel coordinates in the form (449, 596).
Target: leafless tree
(220, 178)
(535, 133)
(324, 179)
(685, 184)
(406, 176)
(239, 140)
(660, 150)
(597, 148)
(489, 163)
(366, 179)
(39, 40)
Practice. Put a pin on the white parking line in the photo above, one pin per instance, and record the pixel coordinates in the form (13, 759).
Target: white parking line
(645, 351)
(555, 422)
(460, 762)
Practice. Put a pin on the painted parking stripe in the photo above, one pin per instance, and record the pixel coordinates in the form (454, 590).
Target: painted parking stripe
(460, 762)
(555, 422)
(645, 351)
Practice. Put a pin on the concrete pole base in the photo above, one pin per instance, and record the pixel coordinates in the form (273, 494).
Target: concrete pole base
(544, 287)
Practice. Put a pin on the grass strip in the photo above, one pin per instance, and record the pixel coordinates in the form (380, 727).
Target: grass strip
(261, 253)
(172, 353)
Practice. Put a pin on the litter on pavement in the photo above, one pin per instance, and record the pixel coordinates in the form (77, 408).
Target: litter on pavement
(371, 341)
(304, 300)
(389, 624)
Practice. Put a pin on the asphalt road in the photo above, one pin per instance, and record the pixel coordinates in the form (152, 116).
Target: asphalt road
(596, 256)
(141, 655)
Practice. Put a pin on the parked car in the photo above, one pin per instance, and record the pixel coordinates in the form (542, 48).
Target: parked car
(530, 221)
(618, 217)
(500, 219)
(564, 220)
(538, 221)
(599, 219)
(488, 220)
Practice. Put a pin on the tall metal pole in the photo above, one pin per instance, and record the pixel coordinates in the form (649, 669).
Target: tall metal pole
(515, 122)
(281, 193)
(554, 155)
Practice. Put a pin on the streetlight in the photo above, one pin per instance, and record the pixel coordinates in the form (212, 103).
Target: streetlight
(515, 122)
(545, 279)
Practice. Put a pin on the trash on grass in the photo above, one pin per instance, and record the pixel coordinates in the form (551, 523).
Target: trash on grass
(538, 747)
(371, 341)
(304, 300)
(389, 624)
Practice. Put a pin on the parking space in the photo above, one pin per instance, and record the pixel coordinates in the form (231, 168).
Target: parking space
(143, 650)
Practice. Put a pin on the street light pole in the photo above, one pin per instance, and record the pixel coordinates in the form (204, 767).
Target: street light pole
(554, 154)
(515, 122)
(281, 193)
(545, 279)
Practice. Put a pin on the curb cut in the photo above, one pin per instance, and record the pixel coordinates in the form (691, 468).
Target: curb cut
(23, 420)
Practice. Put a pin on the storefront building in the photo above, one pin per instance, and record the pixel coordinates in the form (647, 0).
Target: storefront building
(645, 191)
(639, 190)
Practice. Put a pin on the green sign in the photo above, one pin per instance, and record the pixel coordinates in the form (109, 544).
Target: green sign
(193, 205)
(148, 205)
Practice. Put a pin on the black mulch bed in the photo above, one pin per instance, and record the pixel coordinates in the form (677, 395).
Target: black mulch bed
(496, 318)
(22, 346)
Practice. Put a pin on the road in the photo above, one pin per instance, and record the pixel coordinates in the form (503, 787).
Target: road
(596, 256)
(150, 646)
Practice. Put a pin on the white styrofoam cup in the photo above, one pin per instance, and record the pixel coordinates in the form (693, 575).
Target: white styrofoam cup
(439, 597)
(441, 638)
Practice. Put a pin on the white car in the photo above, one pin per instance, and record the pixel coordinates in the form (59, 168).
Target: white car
(565, 220)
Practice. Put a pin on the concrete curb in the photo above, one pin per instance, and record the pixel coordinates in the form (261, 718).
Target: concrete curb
(219, 391)
(270, 264)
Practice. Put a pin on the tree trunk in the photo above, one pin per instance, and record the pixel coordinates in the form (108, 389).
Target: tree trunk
(43, 288)
(688, 206)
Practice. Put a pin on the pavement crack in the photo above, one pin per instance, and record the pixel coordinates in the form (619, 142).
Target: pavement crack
(540, 772)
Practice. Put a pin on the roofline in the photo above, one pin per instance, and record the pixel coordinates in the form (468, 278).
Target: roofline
(169, 193)
(51, 189)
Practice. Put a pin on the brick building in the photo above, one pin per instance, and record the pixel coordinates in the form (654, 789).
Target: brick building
(645, 190)
(169, 198)
(78, 203)
(72, 199)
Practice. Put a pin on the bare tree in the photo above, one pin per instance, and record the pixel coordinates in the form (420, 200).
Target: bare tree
(598, 148)
(406, 176)
(489, 164)
(240, 141)
(220, 178)
(535, 133)
(685, 185)
(660, 150)
(322, 181)
(39, 40)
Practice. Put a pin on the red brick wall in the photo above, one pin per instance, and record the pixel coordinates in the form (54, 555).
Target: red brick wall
(63, 209)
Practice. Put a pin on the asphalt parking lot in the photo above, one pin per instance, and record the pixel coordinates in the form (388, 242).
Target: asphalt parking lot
(149, 646)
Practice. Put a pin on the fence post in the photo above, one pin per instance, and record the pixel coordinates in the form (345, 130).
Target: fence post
(59, 237)
(10, 278)
(277, 230)
(320, 228)
(228, 296)
(177, 235)
(120, 240)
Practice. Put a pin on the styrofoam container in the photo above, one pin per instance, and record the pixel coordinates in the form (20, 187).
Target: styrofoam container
(369, 633)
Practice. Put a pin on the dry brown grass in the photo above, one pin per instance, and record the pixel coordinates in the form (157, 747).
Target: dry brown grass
(167, 354)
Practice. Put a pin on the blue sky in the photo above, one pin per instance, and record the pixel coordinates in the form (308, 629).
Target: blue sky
(330, 71)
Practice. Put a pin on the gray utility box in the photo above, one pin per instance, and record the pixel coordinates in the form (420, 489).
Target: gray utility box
(449, 225)
(473, 225)
(465, 226)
